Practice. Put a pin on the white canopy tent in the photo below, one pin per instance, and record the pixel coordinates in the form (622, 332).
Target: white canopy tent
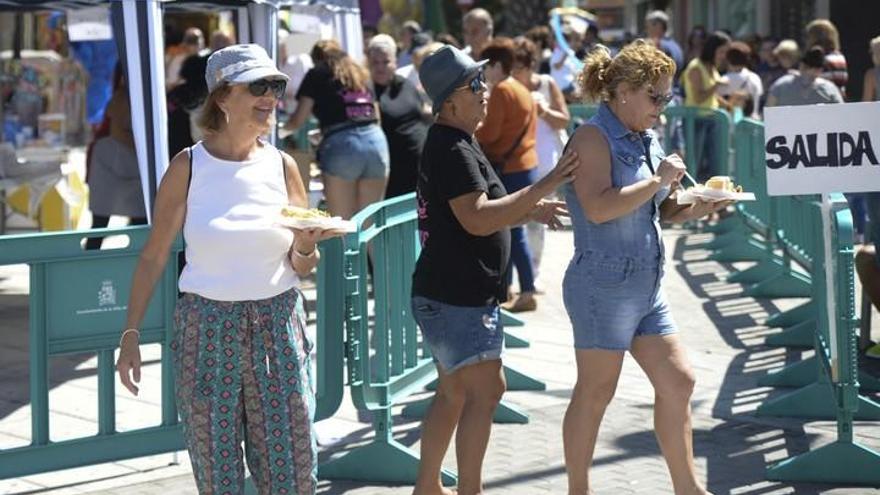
(144, 55)
(339, 19)
(142, 51)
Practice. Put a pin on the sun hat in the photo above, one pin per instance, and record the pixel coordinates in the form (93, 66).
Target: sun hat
(240, 64)
(443, 71)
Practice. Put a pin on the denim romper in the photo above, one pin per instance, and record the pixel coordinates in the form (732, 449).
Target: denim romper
(612, 287)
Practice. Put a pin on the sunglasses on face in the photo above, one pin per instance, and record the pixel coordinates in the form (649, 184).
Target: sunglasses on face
(476, 84)
(260, 86)
(660, 100)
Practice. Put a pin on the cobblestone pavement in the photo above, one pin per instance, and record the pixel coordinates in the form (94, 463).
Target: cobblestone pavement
(722, 330)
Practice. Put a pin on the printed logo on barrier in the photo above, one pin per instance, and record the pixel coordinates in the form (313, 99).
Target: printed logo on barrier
(107, 294)
(107, 300)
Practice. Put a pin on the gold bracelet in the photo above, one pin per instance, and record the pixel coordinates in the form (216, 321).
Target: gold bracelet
(128, 330)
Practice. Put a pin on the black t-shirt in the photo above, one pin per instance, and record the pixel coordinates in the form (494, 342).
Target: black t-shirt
(405, 127)
(456, 267)
(334, 104)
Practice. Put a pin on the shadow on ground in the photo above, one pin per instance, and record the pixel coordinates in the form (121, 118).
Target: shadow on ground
(737, 451)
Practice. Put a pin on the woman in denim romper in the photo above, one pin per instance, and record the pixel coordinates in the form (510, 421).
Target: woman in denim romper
(613, 286)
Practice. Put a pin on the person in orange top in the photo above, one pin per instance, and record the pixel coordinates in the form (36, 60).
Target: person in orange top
(508, 139)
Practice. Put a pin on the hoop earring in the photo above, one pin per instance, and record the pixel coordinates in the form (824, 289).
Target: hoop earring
(226, 116)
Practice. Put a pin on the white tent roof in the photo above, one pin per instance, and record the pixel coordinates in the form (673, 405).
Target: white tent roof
(140, 22)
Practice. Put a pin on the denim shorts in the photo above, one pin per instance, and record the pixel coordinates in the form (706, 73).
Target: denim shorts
(355, 153)
(459, 335)
(610, 301)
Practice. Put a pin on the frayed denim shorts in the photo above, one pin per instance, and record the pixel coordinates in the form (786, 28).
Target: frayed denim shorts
(355, 153)
(459, 335)
(610, 301)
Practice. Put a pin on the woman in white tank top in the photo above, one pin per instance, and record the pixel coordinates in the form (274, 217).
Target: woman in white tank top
(240, 349)
(550, 134)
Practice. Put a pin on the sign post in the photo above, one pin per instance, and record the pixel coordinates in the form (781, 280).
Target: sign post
(830, 293)
(823, 149)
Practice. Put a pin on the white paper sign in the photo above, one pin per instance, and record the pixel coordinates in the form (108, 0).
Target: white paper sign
(89, 24)
(822, 148)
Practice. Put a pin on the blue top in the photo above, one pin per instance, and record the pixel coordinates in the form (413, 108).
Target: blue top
(99, 59)
(634, 238)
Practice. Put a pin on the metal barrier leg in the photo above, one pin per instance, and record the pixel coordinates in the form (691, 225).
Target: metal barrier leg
(516, 381)
(811, 402)
(786, 284)
(748, 249)
(838, 462)
(763, 270)
(799, 374)
(382, 460)
(508, 320)
(726, 225)
(505, 413)
(804, 312)
(513, 341)
(799, 335)
(868, 383)
(727, 238)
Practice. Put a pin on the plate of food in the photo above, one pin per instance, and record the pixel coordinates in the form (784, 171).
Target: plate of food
(312, 218)
(718, 188)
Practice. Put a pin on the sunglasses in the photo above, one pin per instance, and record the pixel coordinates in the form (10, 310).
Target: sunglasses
(260, 86)
(476, 83)
(660, 100)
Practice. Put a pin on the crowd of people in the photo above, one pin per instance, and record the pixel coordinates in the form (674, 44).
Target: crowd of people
(479, 133)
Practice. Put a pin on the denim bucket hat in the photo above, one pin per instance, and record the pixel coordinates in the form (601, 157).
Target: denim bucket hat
(445, 70)
(240, 64)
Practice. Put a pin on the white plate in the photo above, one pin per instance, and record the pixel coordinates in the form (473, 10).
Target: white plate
(690, 197)
(326, 223)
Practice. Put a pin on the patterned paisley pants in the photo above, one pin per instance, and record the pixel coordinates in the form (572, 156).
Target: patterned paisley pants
(242, 376)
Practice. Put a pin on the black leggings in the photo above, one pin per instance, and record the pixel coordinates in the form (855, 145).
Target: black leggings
(99, 222)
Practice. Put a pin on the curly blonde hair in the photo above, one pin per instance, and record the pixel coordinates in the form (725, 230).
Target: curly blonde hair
(637, 64)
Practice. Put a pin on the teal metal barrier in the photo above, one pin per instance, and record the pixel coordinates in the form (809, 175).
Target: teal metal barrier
(78, 305)
(386, 360)
(784, 234)
(835, 392)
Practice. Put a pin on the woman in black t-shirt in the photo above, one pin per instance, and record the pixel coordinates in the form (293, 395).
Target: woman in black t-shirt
(405, 115)
(353, 154)
(464, 220)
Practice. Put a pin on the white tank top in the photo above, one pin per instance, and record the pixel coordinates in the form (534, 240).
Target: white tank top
(234, 252)
(548, 141)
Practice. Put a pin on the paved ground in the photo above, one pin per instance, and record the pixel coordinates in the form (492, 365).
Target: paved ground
(722, 330)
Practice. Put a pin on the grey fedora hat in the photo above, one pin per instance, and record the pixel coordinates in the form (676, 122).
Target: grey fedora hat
(240, 64)
(445, 70)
